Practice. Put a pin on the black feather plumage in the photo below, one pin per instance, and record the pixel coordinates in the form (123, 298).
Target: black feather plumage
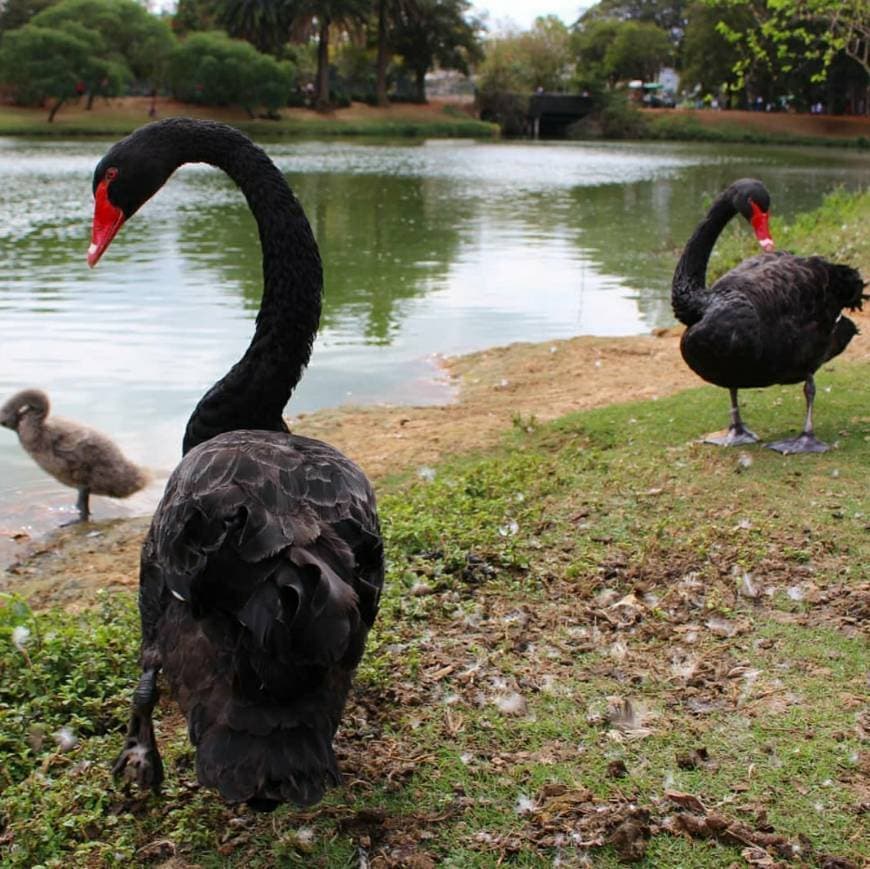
(263, 567)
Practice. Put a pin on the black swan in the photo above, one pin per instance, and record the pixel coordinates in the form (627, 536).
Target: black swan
(775, 318)
(262, 570)
(73, 454)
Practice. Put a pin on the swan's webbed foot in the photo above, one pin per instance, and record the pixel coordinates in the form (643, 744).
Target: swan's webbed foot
(139, 761)
(806, 442)
(736, 436)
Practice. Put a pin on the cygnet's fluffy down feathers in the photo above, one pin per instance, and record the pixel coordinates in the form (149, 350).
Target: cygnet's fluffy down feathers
(260, 580)
(72, 453)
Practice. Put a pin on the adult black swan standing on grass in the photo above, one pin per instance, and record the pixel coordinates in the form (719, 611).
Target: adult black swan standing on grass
(775, 318)
(262, 569)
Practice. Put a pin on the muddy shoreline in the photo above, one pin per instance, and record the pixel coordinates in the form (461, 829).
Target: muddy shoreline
(495, 388)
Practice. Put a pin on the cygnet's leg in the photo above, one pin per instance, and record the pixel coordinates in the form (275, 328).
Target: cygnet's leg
(82, 506)
(737, 434)
(806, 441)
(140, 760)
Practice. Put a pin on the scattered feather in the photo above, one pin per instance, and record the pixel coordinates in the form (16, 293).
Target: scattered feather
(511, 704)
(65, 739)
(20, 637)
(721, 627)
(746, 586)
(524, 806)
(424, 472)
(509, 529)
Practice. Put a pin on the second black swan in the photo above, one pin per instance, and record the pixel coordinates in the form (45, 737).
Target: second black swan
(262, 570)
(774, 318)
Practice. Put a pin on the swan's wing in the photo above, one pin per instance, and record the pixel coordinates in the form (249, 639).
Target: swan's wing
(272, 529)
(807, 290)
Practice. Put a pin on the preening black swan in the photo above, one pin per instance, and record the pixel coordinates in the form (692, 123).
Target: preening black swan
(775, 318)
(73, 454)
(262, 570)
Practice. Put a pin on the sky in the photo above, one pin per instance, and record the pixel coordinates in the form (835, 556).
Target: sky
(524, 12)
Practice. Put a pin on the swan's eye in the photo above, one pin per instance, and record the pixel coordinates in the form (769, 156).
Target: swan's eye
(111, 173)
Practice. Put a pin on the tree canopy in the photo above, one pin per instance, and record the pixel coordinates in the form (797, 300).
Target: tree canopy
(136, 42)
(212, 69)
(44, 63)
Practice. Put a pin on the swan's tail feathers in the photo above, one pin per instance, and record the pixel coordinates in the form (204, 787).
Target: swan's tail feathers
(844, 331)
(265, 755)
(846, 286)
(263, 674)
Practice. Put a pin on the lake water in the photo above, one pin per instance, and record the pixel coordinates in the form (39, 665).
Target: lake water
(439, 247)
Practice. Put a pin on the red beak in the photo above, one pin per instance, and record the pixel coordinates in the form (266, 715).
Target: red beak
(108, 219)
(759, 224)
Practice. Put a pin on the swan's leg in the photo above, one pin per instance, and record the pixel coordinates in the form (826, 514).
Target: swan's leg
(806, 441)
(82, 505)
(140, 760)
(737, 434)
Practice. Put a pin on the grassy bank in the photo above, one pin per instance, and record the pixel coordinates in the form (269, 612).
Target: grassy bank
(619, 119)
(121, 117)
(690, 128)
(601, 638)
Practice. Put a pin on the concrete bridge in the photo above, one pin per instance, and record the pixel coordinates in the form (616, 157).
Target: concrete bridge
(550, 114)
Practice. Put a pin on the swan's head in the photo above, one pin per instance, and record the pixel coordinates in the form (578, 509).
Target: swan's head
(751, 199)
(131, 172)
(28, 401)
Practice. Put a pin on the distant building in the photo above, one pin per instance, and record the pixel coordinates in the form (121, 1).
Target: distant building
(669, 79)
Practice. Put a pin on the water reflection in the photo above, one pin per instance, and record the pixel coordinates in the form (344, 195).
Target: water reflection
(440, 247)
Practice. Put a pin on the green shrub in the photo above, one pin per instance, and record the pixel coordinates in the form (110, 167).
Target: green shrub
(214, 70)
(61, 671)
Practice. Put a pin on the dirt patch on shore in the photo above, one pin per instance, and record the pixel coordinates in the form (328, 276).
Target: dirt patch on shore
(496, 388)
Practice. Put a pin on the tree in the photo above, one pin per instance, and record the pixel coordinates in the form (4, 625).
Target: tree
(437, 32)
(523, 62)
(639, 50)
(546, 49)
(263, 23)
(708, 58)
(609, 51)
(43, 63)
(17, 13)
(134, 42)
(669, 15)
(590, 43)
(194, 16)
(322, 15)
(388, 12)
(790, 33)
(212, 69)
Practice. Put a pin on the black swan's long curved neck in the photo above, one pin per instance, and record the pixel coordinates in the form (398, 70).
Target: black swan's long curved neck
(689, 294)
(252, 395)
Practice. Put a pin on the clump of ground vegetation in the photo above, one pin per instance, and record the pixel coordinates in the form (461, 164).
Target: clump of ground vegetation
(601, 640)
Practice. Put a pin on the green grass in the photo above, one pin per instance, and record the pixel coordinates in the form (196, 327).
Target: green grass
(106, 122)
(505, 576)
(685, 128)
